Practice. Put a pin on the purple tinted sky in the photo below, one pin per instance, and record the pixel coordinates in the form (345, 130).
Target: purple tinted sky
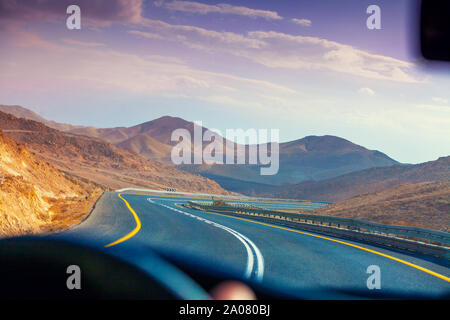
(231, 64)
(338, 20)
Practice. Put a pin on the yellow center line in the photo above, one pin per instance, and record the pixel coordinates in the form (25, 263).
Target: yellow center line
(138, 227)
(341, 242)
(135, 230)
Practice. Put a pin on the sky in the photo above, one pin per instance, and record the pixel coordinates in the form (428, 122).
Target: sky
(304, 67)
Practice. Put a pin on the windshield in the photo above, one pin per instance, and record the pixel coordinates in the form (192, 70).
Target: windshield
(300, 146)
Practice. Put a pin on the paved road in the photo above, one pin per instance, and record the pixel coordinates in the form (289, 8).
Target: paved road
(267, 204)
(274, 256)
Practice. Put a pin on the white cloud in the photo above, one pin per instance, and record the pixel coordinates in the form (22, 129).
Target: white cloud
(147, 35)
(82, 43)
(102, 12)
(100, 68)
(439, 100)
(268, 48)
(433, 107)
(201, 38)
(280, 50)
(222, 8)
(302, 22)
(367, 91)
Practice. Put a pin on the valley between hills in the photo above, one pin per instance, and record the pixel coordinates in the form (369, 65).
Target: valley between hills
(71, 163)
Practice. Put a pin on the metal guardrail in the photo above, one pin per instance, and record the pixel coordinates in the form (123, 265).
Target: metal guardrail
(410, 238)
(209, 196)
(240, 205)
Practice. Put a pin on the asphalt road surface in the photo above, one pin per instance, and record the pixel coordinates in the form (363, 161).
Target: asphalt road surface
(292, 260)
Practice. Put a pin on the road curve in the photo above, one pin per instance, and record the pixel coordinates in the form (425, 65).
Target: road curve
(260, 252)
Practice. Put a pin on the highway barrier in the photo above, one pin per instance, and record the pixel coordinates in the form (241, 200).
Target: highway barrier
(218, 196)
(415, 239)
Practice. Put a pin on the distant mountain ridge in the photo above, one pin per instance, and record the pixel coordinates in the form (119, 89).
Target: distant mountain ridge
(310, 158)
(423, 204)
(96, 160)
(159, 129)
(364, 181)
(21, 112)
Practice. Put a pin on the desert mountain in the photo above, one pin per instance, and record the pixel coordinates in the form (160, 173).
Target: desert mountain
(365, 181)
(35, 196)
(147, 147)
(150, 139)
(159, 130)
(425, 204)
(310, 158)
(99, 161)
(21, 112)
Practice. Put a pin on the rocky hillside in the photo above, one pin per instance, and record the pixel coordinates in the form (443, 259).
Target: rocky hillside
(21, 112)
(425, 205)
(310, 158)
(147, 147)
(364, 181)
(159, 129)
(34, 196)
(99, 161)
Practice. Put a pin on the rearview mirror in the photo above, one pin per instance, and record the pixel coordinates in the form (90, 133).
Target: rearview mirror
(435, 30)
